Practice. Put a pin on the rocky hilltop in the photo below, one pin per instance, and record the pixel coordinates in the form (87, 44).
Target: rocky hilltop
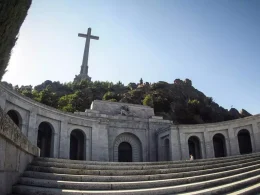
(178, 101)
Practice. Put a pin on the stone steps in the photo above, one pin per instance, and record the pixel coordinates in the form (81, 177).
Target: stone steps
(133, 167)
(102, 178)
(193, 189)
(237, 175)
(115, 172)
(67, 161)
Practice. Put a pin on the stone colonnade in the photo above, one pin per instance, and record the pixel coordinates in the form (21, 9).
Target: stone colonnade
(101, 137)
(222, 139)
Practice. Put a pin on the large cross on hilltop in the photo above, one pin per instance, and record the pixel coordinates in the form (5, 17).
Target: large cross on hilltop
(84, 67)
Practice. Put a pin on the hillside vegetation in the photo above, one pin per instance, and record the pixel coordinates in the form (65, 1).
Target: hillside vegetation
(178, 101)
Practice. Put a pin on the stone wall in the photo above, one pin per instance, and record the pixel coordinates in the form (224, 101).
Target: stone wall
(16, 152)
(114, 108)
(103, 126)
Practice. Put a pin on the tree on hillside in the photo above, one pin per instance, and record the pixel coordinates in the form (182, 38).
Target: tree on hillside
(12, 15)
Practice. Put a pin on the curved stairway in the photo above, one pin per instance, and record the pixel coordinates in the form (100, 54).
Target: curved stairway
(230, 175)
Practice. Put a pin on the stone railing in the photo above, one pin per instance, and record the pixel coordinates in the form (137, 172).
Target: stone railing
(16, 152)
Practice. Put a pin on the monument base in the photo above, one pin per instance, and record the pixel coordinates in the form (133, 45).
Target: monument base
(81, 77)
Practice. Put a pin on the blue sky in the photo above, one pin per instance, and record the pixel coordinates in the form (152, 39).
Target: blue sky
(216, 44)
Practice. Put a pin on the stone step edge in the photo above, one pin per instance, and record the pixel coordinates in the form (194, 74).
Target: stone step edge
(160, 190)
(131, 172)
(148, 177)
(250, 190)
(220, 189)
(141, 163)
(132, 185)
(99, 167)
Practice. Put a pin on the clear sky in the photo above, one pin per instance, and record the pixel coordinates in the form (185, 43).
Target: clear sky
(216, 44)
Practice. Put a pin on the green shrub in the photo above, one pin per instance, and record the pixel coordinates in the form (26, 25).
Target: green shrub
(148, 100)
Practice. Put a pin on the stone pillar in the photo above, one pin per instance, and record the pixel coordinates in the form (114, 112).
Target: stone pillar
(64, 144)
(24, 129)
(209, 147)
(203, 147)
(175, 146)
(233, 141)
(227, 144)
(184, 147)
(2, 99)
(32, 129)
(100, 142)
(256, 135)
(56, 142)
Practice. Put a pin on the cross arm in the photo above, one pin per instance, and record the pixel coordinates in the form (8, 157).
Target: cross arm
(86, 35)
(94, 37)
(82, 35)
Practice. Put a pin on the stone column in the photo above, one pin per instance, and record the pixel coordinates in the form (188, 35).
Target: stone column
(175, 146)
(2, 100)
(24, 127)
(184, 147)
(256, 135)
(32, 129)
(64, 148)
(227, 144)
(100, 142)
(209, 147)
(234, 147)
(203, 147)
(56, 142)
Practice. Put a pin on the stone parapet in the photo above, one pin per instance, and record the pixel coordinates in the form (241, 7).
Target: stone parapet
(16, 152)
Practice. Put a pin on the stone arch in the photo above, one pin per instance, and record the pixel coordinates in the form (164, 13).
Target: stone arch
(77, 145)
(16, 117)
(135, 143)
(45, 139)
(244, 141)
(219, 145)
(194, 147)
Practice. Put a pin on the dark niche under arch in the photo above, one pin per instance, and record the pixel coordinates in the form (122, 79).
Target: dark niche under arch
(77, 145)
(45, 139)
(219, 145)
(16, 118)
(244, 141)
(194, 147)
(125, 152)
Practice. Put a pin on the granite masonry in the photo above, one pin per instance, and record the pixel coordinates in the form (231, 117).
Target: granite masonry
(112, 131)
(16, 152)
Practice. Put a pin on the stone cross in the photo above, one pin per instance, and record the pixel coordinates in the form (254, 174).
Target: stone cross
(88, 36)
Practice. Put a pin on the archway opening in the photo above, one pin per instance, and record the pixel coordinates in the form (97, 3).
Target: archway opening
(244, 141)
(166, 149)
(125, 152)
(16, 118)
(219, 145)
(45, 139)
(133, 141)
(194, 147)
(77, 145)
